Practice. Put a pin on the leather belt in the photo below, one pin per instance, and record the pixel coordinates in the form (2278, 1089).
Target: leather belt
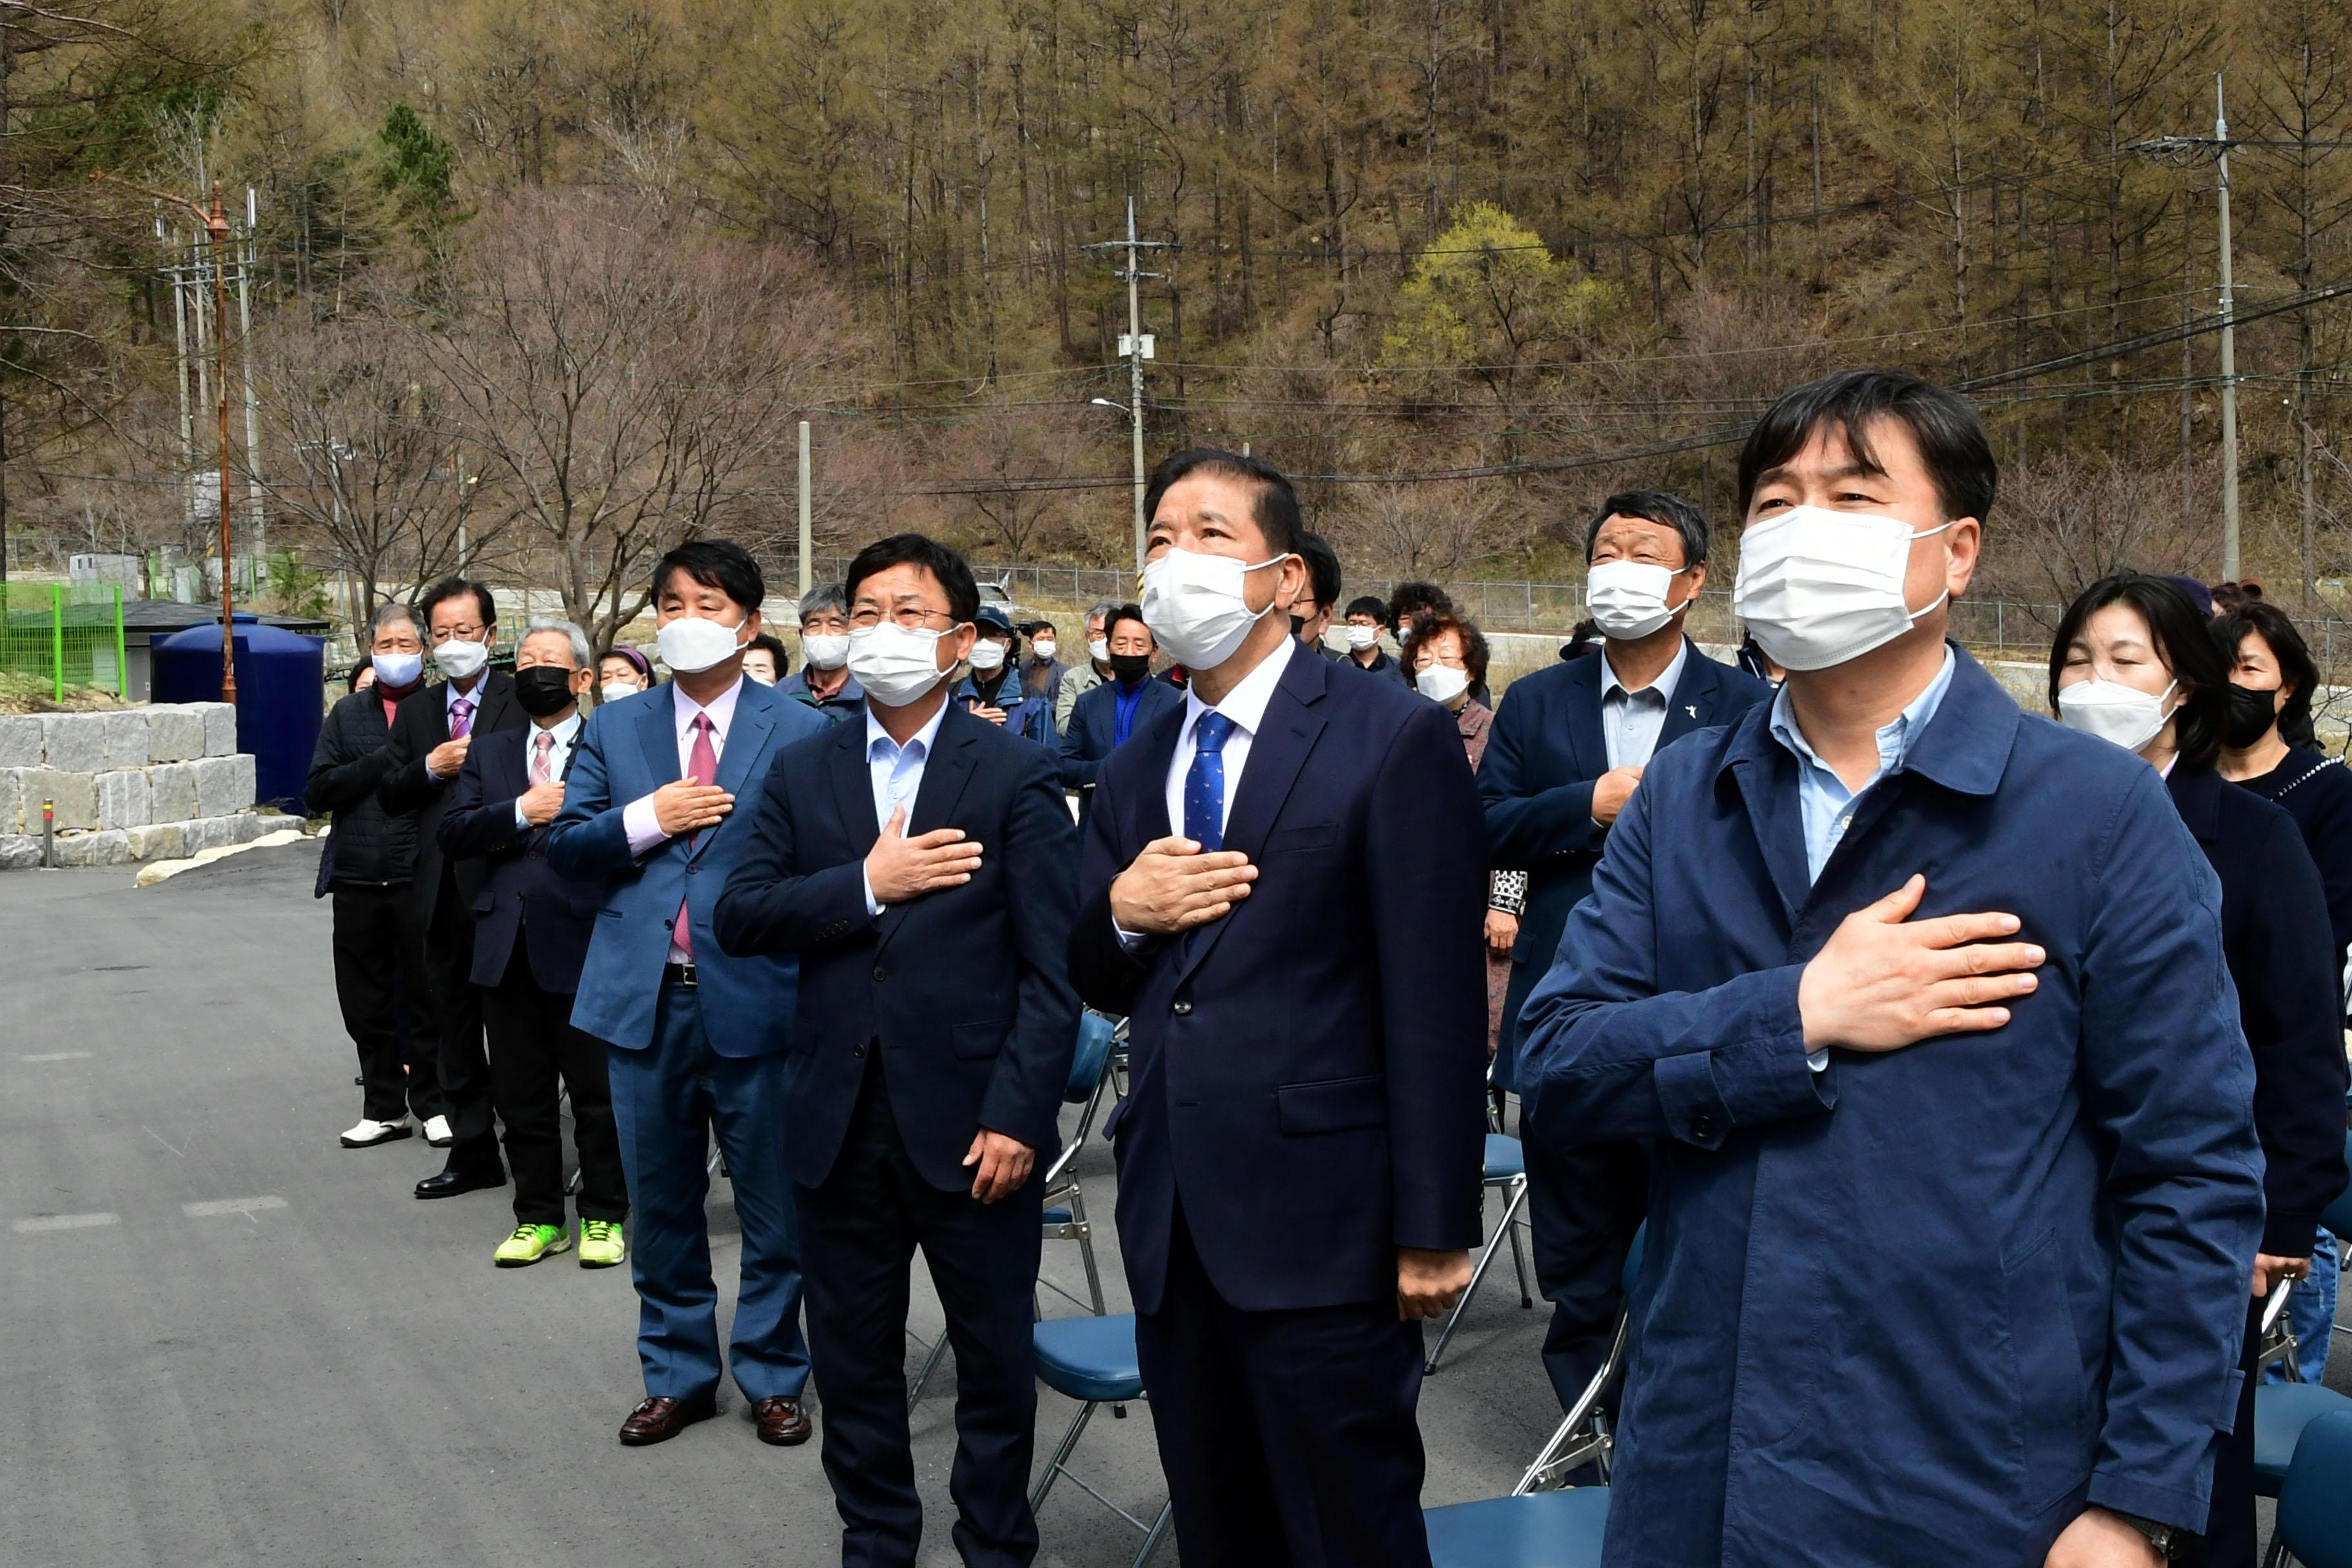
(678, 975)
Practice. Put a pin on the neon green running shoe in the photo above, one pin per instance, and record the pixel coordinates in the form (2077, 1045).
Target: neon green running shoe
(602, 1244)
(529, 1243)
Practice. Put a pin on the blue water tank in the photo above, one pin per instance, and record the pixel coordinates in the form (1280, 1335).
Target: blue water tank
(282, 679)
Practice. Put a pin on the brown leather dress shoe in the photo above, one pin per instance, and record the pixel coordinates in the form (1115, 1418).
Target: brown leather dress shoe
(658, 1419)
(783, 1422)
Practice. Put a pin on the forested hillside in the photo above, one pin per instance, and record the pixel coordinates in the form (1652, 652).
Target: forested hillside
(565, 276)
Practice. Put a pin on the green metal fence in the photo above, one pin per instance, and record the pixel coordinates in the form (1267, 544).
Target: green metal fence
(61, 635)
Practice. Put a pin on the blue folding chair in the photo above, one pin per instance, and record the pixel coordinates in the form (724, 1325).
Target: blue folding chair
(2311, 1511)
(1506, 1168)
(1583, 1435)
(2282, 1413)
(1065, 1205)
(1548, 1529)
(1091, 1360)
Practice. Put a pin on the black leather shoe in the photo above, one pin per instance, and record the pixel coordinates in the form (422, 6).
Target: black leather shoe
(449, 1184)
(658, 1418)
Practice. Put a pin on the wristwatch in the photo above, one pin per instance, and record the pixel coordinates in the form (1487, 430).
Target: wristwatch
(2171, 1542)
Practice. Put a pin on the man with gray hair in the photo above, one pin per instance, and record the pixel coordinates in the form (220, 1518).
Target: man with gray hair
(823, 681)
(531, 942)
(1081, 678)
(379, 944)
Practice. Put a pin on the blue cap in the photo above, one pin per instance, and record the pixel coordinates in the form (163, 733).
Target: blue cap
(994, 618)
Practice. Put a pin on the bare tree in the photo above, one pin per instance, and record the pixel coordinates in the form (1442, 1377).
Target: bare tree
(632, 382)
(2066, 520)
(1008, 450)
(1423, 529)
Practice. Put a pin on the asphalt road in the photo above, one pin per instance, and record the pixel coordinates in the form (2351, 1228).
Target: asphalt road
(223, 1339)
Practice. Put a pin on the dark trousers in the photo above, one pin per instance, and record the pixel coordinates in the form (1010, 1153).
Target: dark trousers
(1287, 1437)
(464, 1067)
(668, 1100)
(2229, 1540)
(532, 1044)
(380, 974)
(859, 1231)
(1584, 1204)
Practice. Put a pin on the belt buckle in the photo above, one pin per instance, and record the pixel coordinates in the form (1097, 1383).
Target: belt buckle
(685, 973)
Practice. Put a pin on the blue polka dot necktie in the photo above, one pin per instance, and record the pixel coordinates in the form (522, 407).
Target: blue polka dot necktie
(1205, 782)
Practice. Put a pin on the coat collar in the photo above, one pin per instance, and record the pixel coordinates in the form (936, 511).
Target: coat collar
(1965, 746)
(2197, 796)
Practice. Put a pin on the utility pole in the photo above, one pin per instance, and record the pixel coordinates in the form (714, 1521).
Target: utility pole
(1137, 348)
(249, 254)
(808, 523)
(180, 359)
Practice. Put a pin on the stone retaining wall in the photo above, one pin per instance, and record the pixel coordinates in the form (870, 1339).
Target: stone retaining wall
(161, 782)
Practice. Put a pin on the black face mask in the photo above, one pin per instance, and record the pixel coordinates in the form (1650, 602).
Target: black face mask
(2252, 713)
(544, 689)
(1130, 667)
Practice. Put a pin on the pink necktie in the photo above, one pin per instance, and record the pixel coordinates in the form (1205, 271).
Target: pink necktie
(461, 718)
(542, 765)
(702, 767)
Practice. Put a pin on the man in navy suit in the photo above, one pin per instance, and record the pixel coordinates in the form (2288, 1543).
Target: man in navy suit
(1567, 751)
(1129, 701)
(1299, 1158)
(697, 1035)
(921, 864)
(530, 939)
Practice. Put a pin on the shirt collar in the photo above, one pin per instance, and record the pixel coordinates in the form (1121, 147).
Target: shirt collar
(721, 707)
(562, 733)
(921, 742)
(451, 696)
(1245, 703)
(1895, 738)
(1668, 677)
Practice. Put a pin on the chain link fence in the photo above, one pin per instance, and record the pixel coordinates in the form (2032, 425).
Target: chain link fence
(58, 636)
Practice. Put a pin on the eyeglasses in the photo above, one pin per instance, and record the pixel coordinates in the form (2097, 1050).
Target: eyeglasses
(865, 617)
(458, 634)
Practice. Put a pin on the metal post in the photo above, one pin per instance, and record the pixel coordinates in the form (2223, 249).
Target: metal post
(218, 222)
(121, 662)
(58, 641)
(2228, 354)
(1135, 376)
(49, 834)
(808, 521)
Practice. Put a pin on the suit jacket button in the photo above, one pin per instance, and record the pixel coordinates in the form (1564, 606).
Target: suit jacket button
(877, 974)
(857, 1051)
(692, 867)
(1184, 1007)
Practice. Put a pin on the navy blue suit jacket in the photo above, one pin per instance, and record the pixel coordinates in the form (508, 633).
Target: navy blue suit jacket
(1536, 781)
(1308, 1087)
(964, 991)
(1991, 1275)
(1094, 724)
(629, 749)
(520, 892)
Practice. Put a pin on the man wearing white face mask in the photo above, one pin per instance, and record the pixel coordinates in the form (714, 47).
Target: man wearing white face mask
(429, 740)
(824, 680)
(1921, 1005)
(1299, 1160)
(1567, 753)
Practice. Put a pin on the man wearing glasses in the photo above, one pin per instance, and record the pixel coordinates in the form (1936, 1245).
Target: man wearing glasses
(921, 864)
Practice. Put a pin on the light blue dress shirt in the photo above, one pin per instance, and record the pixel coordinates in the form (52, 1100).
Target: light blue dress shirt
(1826, 804)
(897, 774)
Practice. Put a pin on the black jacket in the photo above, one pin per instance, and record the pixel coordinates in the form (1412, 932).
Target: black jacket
(2281, 952)
(520, 892)
(2316, 790)
(371, 847)
(423, 723)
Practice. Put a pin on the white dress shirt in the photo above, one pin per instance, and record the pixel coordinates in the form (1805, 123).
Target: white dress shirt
(1631, 721)
(558, 757)
(638, 818)
(897, 774)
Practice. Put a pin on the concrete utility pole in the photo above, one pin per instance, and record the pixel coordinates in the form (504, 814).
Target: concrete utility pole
(1136, 347)
(808, 522)
(248, 256)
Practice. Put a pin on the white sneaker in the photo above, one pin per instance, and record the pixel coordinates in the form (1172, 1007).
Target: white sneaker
(437, 1134)
(367, 1134)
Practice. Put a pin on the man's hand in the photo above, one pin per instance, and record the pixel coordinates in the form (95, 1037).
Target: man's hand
(1501, 931)
(1611, 791)
(1003, 1165)
(1172, 887)
(539, 803)
(2098, 1539)
(1429, 1283)
(444, 759)
(982, 710)
(898, 868)
(1881, 985)
(2269, 1270)
(683, 806)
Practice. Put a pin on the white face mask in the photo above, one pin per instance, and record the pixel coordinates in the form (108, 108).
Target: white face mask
(1194, 606)
(2114, 712)
(894, 664)
(458, 660)
(1628, 598)
(1819, 588)
(826, 651)
(397, 669)
(1099, 650)
(987, 656)
(692, 644)
(1442, 682)
(1360, 638)
(614, 691)
(1044, 650)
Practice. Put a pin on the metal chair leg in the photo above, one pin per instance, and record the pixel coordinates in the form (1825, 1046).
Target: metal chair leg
(2277, 1554)
(1060, 1455)
(930, 1363)
(1151, 1541)
(1518, 1257)
(1486, 1260)
(1077, 1202)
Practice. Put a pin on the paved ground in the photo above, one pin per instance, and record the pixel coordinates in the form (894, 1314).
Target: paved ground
(225, 1340)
